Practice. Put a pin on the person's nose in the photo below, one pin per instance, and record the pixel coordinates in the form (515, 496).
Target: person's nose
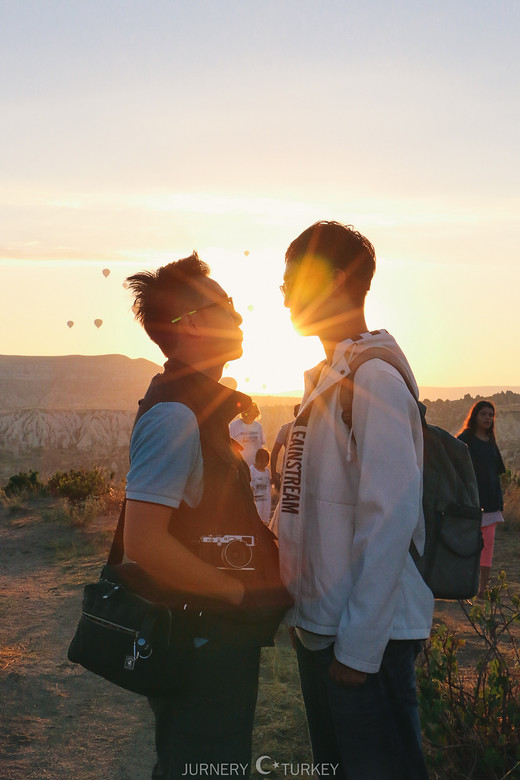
(238, 318)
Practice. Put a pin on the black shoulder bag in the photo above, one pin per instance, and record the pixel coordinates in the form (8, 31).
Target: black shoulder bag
(132, 632)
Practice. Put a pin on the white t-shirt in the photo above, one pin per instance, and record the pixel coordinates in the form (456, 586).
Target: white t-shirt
(251, 437)
(261, 487)
(283, 433)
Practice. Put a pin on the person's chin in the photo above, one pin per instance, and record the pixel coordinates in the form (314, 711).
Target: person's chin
(304, 326)
(235, 352)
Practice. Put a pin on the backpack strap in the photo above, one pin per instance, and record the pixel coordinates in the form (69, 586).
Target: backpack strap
(346, 393)
(346, 397)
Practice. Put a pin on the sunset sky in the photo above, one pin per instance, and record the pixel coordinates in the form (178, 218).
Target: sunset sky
(134, 131)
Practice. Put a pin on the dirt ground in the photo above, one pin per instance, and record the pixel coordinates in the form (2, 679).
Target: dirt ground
(57, 720)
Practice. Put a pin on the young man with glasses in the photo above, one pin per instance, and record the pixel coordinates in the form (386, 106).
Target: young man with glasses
(191, 523)
(350, 504)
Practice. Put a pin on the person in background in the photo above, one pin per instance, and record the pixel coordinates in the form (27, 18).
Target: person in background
(247, 431)
(282, 437)
(478, 432)
(350, 504)
(261, 484)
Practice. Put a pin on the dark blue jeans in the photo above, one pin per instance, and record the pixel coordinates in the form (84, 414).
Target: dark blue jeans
(373, 731)
(211, 722)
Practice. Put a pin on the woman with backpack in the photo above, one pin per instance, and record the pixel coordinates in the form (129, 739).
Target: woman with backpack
(478, 432)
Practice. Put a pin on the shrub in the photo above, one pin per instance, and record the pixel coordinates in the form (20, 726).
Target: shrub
(73, 513)
(84, 512)
(58, 513)
(14, 504)
(23, 482)
(511, 487)
(113, 500)
(509, 479)
(78, 485)
(472, 722)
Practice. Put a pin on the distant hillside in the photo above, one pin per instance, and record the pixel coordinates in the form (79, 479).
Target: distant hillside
(73, 382)
(454, 393)
(65, 412)
(50, 440)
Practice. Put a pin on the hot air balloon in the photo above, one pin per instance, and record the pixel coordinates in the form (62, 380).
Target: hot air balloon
(250, 307)
(98, 323)
(125, 285)
(106, 272)
(70, 323)
(246, 252)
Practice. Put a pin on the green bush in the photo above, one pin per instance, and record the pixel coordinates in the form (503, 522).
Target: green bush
(23, 482)
(78, 485)
(509, 479)
(471, 722)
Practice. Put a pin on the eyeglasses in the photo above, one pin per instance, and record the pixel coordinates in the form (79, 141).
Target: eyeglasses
(225, 302)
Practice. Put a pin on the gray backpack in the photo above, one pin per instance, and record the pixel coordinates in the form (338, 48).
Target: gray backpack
(450, 565)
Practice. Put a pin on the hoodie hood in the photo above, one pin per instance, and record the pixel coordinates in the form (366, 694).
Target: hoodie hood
(323, 376)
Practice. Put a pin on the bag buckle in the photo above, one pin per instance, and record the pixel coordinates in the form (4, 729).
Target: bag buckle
(142, 649)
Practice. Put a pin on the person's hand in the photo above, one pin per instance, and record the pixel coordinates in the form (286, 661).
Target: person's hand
(345, 675)
(276, 479)
(237, 594)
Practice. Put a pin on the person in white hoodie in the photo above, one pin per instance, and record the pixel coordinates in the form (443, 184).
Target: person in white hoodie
(350, 504)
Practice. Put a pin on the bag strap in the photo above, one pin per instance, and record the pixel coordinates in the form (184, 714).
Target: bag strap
(117, 548)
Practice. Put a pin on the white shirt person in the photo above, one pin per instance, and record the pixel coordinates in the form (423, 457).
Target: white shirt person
(248, 432)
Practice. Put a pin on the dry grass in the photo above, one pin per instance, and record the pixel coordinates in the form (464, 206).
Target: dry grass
(512, 506)
(11, 654)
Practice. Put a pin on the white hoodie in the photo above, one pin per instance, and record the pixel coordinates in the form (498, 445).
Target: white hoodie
(350, 503)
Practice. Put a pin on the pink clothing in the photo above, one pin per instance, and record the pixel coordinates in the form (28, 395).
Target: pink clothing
(488, 535)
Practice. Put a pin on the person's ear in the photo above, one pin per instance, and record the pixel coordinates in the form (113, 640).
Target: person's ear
(190, 325)
(339, 278)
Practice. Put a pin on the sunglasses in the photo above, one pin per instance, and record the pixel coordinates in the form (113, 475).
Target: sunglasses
(225, 302)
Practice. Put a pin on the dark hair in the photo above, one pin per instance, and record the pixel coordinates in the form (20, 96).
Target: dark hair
(262, 451)
(470, 423)
(164, 294)
(296, 409)
(343, 248)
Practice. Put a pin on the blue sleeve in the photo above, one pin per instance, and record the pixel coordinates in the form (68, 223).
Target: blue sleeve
(165, 457)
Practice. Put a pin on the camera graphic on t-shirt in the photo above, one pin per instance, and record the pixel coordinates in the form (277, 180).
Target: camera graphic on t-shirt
(228, 552)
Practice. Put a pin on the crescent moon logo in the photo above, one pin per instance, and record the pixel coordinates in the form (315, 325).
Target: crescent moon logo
(258, 765)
